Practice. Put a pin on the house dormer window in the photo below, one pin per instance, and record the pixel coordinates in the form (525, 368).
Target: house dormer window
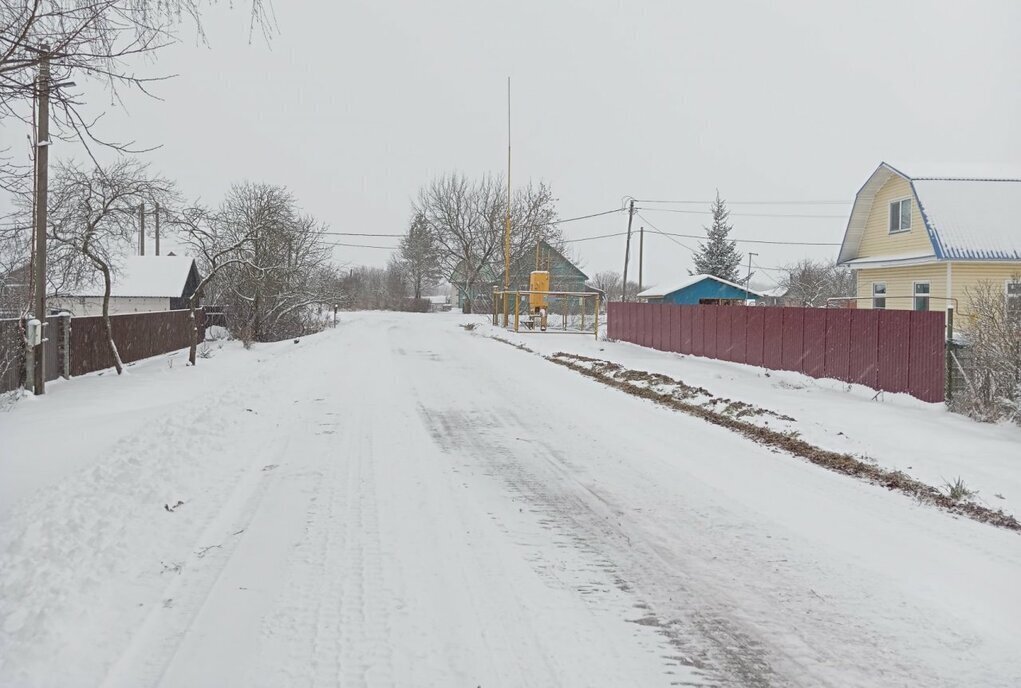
(900, 216)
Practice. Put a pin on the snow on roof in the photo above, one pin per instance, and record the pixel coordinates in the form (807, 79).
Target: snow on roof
(973, 213)
(670, 287)
(969, 170)
(914, 256)
(972, 220)
(160, 276)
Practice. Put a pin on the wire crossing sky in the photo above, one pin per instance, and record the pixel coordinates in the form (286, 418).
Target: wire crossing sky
(784, 107)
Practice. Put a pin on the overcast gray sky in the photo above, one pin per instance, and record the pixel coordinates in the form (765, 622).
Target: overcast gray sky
(355, 104)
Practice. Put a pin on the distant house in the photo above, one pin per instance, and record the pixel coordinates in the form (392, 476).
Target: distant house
(564, 275)
(142, 284)
(777, 296)
(700, 289)
(919, 240)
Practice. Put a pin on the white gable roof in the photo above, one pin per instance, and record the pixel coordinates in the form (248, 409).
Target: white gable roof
(662, 290)
(159, 276)
(974, 214)
(971, 219)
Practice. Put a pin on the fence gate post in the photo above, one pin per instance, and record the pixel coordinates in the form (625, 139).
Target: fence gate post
(29, 366)
(950, 353)
(64, 346)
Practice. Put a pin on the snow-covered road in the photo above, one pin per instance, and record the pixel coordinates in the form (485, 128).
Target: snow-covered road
(399, 502)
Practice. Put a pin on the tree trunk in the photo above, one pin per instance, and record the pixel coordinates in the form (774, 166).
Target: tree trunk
(194, 345)
(106, 320)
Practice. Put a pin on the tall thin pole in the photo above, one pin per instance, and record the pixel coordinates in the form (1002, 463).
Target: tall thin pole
(42, 159)
(507, 213)
(641, 255)
(157, 229)
(748, 279)
(627, 250)
(141, 229)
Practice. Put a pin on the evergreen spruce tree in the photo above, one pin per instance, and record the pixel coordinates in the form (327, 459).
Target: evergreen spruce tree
(717, 255)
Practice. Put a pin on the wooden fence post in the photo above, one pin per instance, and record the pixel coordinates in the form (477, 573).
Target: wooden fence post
(64, 345)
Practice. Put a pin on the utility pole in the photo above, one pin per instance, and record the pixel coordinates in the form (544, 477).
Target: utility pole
(641, 255)
(157, 229)
(42, 160)
(627, 250)
(748, 279)
(141, 229)
(507, 215)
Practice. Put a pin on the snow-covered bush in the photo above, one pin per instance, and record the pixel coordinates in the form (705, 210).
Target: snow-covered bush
(990, 360)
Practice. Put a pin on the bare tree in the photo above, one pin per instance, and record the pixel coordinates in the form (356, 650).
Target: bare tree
(419, 253)
(467, 219)
(216, 248)
(281, 272)
(811, 283)
(608, 282)
(92, 225)
(94, 39)
(992, 352)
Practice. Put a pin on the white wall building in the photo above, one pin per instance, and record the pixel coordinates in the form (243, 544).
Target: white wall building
(143, 284)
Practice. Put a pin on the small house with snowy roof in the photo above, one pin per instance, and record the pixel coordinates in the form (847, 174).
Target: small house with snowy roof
(700, 289)
(141, 284)
(923, 239)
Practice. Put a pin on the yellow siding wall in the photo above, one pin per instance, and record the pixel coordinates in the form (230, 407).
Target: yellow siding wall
(877, 240)
(900, 283)
(965, 276)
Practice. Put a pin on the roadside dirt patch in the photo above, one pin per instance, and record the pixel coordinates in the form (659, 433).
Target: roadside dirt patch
(735, 415)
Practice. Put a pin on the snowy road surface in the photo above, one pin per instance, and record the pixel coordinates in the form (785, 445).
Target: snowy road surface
(398, 502)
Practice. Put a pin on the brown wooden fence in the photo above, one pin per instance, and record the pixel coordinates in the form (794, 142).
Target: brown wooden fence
(12, 354)
(137, 335)
(894, 351)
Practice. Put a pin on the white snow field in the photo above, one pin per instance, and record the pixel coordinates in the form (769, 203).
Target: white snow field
(399, 502)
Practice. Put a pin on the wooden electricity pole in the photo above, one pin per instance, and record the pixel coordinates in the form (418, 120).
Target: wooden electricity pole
(42, 159)
(627, 250)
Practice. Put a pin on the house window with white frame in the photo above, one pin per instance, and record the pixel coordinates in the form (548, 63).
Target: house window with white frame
(900, 216)
(879, 294)
(921, 296)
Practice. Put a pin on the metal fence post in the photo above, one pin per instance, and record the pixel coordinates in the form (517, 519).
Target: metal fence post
(950, 353)
(64, 346)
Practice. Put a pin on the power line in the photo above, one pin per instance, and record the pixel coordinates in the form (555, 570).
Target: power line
(585, 217)
(659, 231)
(385, 248)
(709, 212)
(601, 236)
(759, 241)
(702, 236)
(646, 200)
(360, 234)
(769, 277)
(693, 251)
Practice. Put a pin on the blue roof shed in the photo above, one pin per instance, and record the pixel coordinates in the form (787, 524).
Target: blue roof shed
(697, 289)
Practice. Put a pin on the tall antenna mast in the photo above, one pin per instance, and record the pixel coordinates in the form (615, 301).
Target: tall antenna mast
(507, 214)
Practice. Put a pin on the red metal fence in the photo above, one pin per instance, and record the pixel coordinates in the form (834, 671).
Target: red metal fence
(894, 351)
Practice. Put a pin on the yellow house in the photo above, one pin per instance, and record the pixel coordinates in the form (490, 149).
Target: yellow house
(920, 242)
